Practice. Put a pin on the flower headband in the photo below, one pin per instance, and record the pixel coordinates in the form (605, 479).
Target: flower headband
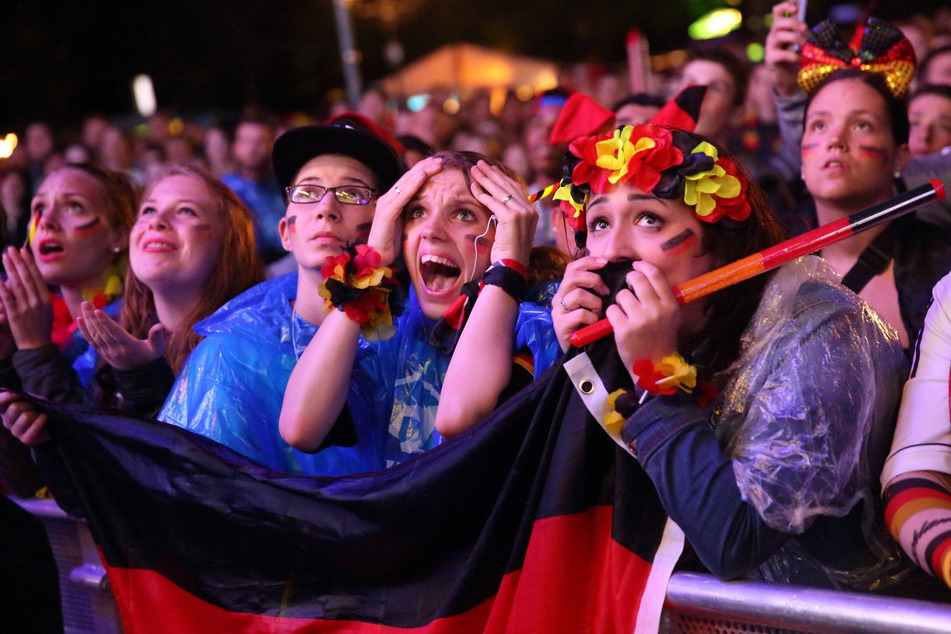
(877, 47)
(666, 162)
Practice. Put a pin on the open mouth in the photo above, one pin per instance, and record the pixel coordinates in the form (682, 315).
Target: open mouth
(438, 273)
(50, 247)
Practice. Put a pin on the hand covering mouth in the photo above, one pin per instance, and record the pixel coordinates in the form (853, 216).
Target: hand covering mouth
(438, 273)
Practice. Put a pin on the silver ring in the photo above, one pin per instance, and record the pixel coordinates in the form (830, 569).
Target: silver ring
(506, 199)
(563, 307)
(397, 190)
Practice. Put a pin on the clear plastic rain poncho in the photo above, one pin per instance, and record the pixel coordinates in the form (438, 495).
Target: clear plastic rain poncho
(232, 386)
(808, 411)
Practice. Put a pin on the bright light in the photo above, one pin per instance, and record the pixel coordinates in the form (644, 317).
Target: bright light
(755, 52)
(715, 24)
(416, 103)
(176, 126)
(144, 94)
(7, 145)
(451, 105)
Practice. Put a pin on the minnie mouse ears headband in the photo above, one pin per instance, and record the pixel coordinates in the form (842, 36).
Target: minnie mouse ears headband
(876, 47)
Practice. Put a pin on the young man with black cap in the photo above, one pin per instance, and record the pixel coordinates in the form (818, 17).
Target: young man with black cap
(232, 385)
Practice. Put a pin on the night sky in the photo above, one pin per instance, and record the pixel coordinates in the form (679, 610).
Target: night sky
(60, 61)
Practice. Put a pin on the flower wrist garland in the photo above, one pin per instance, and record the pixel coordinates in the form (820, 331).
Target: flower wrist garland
(672, 373)
(356, 284)
(509, 275)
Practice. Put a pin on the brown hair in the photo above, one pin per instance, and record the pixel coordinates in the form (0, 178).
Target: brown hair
(122, 195)
(464, 161)
(237, 269)
(896, 108)
(730, 310)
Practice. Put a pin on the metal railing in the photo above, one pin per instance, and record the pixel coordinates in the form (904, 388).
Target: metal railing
(696, 603)
(700, 603)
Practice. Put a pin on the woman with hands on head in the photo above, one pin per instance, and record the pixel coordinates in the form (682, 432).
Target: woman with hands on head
(449, 216)
(764, 461)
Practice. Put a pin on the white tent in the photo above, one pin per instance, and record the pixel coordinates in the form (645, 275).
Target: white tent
(466, 67)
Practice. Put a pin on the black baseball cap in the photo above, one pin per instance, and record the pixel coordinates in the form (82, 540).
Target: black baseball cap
(343, 135)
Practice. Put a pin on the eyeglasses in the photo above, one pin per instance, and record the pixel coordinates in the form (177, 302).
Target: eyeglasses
(346, 194)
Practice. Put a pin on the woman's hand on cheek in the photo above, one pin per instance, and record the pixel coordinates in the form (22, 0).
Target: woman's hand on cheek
(645, 317)
(516, 216)
(26, 301)
(578, 300)
(387, 230)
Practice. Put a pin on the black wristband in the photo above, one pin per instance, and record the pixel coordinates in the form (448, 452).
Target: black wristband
(508, 279)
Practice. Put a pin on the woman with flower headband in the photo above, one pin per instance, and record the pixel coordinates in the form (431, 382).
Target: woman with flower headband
(760, 413)
(192, 248)
(454, 214)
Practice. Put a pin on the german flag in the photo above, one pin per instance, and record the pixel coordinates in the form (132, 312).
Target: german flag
(533, 521)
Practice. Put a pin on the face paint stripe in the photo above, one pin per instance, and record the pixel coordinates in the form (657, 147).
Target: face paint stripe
(89, 227)
(481, 244)
(872, 151)
(292, 225)
(683, 241)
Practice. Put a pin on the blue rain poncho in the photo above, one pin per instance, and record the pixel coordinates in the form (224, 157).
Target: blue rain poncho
(232, 386)
(411, 372)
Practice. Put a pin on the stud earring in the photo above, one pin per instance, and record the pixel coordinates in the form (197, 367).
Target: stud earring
(116, 249)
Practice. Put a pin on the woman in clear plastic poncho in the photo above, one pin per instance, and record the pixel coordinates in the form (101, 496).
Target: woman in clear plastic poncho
(761, 413)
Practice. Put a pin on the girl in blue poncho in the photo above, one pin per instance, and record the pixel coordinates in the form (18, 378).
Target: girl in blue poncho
(457, 213)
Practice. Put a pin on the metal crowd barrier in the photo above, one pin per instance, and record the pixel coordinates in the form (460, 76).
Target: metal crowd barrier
(85, 595)
(696, 603)
(701, 604)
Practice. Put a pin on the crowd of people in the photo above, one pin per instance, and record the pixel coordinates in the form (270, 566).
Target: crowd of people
(318, 297)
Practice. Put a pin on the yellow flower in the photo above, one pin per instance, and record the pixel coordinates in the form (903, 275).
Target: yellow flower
(700, 188)
(678, 373)
(380, 327)
(374, 279)
(323, 292)
(613, 421)
(564, 193)
(615, 154)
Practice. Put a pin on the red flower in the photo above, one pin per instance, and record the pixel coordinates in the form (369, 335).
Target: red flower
(366, 260)
(335, 267)
(64, 326)
(361, 309)
(632, 153)
(647, 377)
(738, 207)
(706, 394)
